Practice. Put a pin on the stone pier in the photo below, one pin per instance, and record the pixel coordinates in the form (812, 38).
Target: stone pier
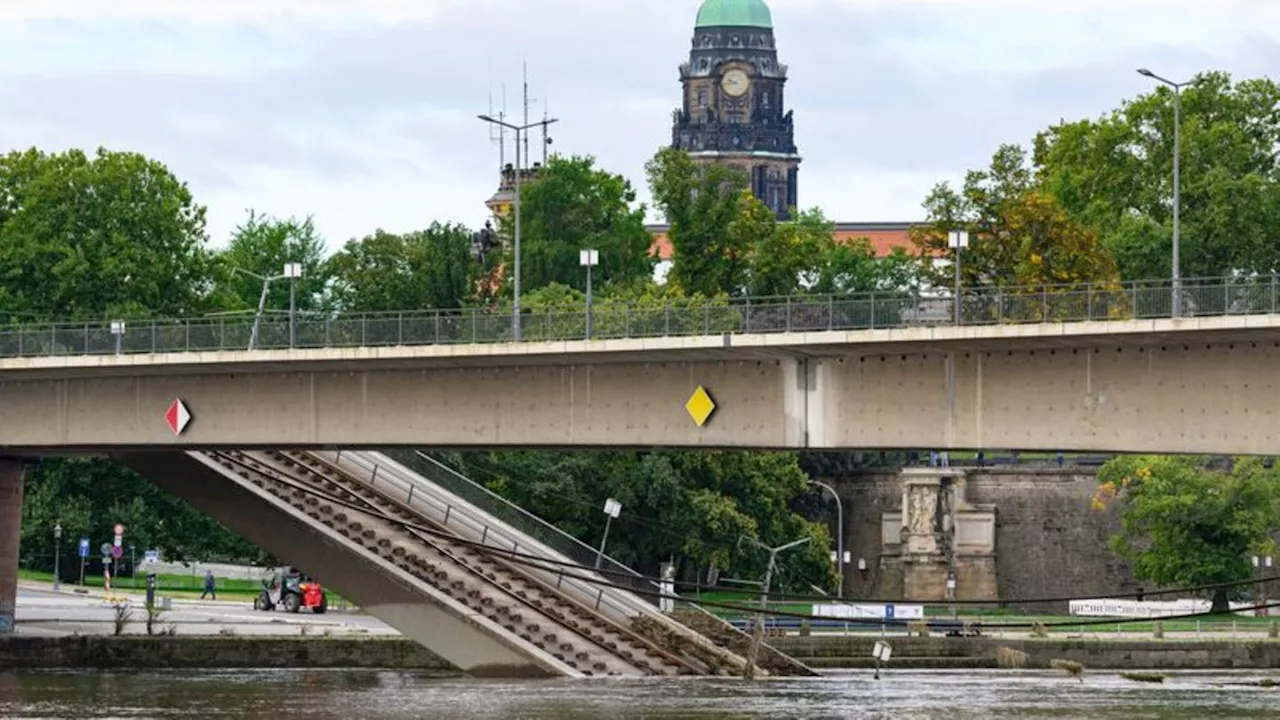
(10, 535)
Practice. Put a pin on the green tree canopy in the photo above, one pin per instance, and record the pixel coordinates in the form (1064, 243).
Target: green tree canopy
(1185, 523)
(1020, 235)
(1115, 174)
(576, 206)
(431, 268)
(262, 245)
(712, 220)
(692, 507)
(85, 237)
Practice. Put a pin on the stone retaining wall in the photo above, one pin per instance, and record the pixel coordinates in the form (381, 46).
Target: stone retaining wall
(133, 652)
(1128, 654)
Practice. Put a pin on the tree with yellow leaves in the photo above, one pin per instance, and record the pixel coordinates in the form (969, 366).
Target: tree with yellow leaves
(1020, 235)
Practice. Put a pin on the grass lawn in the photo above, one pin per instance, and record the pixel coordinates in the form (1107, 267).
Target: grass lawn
(174, 586)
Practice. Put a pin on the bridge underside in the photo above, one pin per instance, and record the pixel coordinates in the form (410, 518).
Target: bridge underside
(1170, 392)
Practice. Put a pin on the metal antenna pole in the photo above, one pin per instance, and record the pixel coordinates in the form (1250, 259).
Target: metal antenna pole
(757, 632)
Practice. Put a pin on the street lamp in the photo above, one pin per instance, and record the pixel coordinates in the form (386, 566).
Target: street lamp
(958, 240)
(117, 331)
(293, 271)
(839, 531)
(262, 302)
(1177, 181)
(519, 130)
(588, 259)
(612, 509)
(757, 631)
(57, 546)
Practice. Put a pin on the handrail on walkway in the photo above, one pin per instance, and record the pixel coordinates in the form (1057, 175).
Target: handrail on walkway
(1203, 297)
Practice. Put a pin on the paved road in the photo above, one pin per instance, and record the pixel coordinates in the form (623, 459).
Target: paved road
(42, 612)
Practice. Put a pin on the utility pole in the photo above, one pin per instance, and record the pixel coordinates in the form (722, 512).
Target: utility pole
(757, 632)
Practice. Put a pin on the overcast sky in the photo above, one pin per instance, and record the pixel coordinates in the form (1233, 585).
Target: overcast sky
(363, 112)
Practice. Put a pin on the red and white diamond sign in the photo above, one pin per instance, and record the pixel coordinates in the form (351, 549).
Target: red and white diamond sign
(177, 416)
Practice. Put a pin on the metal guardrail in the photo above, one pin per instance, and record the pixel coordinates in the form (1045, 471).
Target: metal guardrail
(611, 320)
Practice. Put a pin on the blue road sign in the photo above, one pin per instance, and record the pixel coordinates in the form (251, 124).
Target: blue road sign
(888, 611)
(84, 547)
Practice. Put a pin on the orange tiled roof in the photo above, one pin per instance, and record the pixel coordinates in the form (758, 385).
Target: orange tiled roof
(884, 236)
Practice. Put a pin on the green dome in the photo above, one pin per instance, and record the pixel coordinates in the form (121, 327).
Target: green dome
(734, 13)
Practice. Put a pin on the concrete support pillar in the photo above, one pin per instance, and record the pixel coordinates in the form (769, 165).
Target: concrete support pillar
(10, 535)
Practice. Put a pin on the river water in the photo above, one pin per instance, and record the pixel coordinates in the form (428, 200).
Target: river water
(373, 695)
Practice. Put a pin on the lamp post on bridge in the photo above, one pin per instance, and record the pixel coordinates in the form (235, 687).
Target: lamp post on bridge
(293, 271)
(588, 259)
(958, 240)
(519, 131)
(1177, 181)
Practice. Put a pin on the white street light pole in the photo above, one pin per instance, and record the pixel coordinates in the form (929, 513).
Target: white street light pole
(1177, 182)
(57, 547)
(293, 271)
(612, 509)
(839, 532)
(958, 240)
(588, 259)
(519, 131)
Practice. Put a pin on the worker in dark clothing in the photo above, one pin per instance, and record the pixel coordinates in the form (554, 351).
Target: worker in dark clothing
(210, 588)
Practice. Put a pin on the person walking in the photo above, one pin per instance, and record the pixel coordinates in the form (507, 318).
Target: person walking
(210, 587)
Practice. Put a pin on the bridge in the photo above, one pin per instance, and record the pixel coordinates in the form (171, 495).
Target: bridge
(250, 435)
(1072, 370)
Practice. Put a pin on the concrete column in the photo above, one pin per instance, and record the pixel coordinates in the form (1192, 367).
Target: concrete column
(10, 535)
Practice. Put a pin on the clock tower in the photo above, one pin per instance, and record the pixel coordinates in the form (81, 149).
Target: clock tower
(734, 108)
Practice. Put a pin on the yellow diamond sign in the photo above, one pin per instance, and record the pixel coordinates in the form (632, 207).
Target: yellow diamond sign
(700, 406)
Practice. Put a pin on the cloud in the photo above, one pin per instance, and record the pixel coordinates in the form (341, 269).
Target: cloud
(363, 112)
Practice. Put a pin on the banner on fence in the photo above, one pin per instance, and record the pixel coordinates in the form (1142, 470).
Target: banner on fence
(842, 611)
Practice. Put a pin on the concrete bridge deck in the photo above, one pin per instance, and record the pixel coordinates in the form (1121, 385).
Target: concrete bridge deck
(1163, 385)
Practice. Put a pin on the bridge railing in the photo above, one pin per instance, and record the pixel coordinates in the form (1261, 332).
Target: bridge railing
(1199, 297)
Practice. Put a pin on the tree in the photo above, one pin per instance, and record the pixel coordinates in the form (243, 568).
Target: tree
(115, 234)
(87, 497)
(711, 221)
(1186, 523)
(431, 268)
(1020, 235)
(1115, 174)
(263, 245)
(784, 257)
(575, 206)
(690, 506)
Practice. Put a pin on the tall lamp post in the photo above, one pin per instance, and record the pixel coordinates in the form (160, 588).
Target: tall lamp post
(757, 631)
(612, 509)
(1177, 181)
(262, 302)
(293, 271)
(519, 131)
(57, 558)
(958, 240)
(839, 532)
(588, 259)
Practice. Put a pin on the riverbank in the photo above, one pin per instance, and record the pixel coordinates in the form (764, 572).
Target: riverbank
(823, 652)
(149, 653)
(819, 652)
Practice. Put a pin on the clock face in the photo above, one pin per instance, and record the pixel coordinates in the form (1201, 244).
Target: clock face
(735, 83)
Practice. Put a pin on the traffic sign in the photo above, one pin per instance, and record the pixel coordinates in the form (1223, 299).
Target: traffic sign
(177, 416)
(117, 552)
(151, 557)
(119, 529)
(106, 549)
(84, 547)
